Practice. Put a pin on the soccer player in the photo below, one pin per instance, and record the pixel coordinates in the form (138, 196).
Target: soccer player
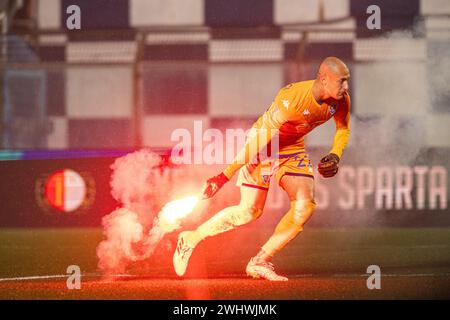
(297, 109)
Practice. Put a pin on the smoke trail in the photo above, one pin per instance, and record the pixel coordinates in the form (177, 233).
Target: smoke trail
(122, 230)
(133, 231)
(133, 184)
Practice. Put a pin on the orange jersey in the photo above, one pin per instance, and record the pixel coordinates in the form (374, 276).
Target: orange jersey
(295, 113)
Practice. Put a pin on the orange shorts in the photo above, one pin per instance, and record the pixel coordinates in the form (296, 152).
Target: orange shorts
(258, 175)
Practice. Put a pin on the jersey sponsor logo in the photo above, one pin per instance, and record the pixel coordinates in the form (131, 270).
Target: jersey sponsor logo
(333, 109)
(306, 112)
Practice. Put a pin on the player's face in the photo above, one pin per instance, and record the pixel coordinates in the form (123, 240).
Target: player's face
(337, 84)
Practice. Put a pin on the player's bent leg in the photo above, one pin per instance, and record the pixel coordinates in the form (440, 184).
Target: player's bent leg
(250, 208)
(300, 192)
(287, 229)
(183, 252)
(290, 225)
(261, 269)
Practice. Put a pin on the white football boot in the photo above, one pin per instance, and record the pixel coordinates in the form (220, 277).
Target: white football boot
(182, 254)
(263, 270)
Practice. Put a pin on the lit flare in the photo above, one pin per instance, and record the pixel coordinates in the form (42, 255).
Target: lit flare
(174, 211)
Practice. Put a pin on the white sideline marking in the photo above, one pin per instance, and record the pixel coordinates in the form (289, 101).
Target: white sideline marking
(293, 276)
(58, 276)
(35, 277)
(349, 275)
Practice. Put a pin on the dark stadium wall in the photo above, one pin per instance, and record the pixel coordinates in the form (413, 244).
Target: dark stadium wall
(237, 13)
(396, 15)
(25, 205)
(99, 14)
(361, 195)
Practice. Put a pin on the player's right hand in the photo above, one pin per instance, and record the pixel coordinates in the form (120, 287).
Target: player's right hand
(329, 165)
(213, 185)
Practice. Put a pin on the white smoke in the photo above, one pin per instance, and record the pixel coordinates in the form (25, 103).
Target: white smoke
(122, 230)
(133, 231)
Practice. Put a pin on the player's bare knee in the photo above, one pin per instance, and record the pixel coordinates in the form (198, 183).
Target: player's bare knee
(304, 205)
(303, 209)
(248, 213)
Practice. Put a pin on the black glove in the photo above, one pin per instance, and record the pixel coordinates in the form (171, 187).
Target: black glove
(213, 185)
(329, 165)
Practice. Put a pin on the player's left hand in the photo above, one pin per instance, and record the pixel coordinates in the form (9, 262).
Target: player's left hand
(329, 165)
(213, 185)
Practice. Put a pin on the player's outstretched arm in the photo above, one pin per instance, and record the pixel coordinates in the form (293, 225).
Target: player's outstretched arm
(329, 165)
(251, 149)
(280, 112)
(272, 120)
